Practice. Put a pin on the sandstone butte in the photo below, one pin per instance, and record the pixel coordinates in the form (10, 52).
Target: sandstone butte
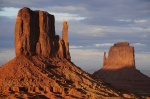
(35, 35)
(42, 68)
(120, 71)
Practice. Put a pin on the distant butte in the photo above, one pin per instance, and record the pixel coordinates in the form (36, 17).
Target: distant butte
(119, 70)
(120, 55)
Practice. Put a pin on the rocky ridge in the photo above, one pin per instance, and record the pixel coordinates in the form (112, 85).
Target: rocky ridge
(120, 71)
(42, 68)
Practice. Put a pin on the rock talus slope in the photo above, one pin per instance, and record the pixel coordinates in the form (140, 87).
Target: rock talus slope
(119, 70)
(42, 68)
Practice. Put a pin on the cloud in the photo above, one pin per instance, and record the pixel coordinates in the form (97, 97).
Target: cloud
(10, 12)
(141, 21)
(106, 13)
(60, 17)
(105, 44)
(64, 9)
(138, 44)
(74, 47)
(90, 53)
(124, 20)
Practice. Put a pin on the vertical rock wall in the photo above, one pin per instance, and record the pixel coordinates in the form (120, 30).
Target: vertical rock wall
(35, 35)
(120, 55)
(46, 34)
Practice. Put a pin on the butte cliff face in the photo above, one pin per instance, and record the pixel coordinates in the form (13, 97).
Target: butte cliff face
(119, 70)
(120, 55)
(35, 35)
(42, 68)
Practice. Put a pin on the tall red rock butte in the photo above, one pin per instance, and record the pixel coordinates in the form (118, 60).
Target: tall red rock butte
(119, 70)
(42, 68)
(35, 35)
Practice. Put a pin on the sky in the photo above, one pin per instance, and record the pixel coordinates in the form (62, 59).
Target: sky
(94, 26)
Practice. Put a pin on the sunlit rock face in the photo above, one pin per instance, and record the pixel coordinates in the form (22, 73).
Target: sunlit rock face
(65, 39)
(120, 55)
(35, 35)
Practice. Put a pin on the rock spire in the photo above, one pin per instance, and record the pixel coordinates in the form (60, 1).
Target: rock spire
(65, 32)
(65, 39)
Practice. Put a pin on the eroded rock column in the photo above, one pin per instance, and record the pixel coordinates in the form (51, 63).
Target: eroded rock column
(65, 40)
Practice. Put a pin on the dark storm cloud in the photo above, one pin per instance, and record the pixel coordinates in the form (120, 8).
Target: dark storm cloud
(99, 12)
(38, 3)
(121, 13)
(115, 10)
